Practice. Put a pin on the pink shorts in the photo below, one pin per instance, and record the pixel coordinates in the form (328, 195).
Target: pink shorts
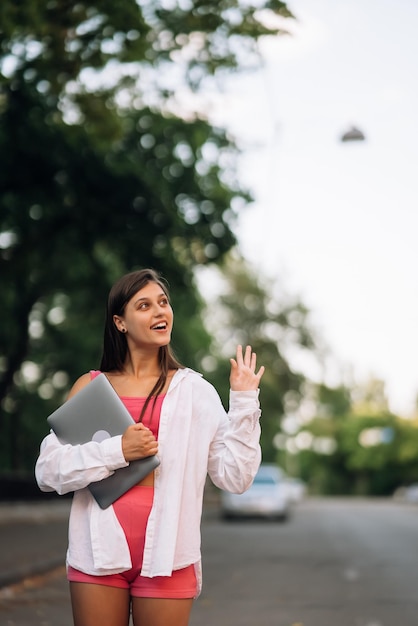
(132, 511)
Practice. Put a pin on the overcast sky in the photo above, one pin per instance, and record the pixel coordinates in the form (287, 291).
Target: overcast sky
(339, 221)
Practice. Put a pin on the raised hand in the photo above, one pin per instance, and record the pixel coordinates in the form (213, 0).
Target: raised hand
(243, 376)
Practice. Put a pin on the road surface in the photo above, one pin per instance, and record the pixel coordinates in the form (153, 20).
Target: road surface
(337, 562)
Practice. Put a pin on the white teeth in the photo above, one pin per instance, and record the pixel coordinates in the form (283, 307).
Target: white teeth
(159, 327)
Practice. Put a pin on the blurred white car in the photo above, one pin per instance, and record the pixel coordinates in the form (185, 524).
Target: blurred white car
(267, 497)
(407, 494)
(296, 488)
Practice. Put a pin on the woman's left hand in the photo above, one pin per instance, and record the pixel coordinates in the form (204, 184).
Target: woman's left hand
(243, 376)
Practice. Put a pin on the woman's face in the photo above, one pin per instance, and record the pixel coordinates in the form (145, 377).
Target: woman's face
(148, 317)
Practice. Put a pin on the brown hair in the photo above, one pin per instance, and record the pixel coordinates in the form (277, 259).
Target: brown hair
(115, 346)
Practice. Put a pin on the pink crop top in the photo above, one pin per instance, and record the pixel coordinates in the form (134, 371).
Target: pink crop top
(135, 405)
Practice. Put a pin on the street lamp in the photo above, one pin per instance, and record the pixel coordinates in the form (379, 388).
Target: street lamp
(353, 134)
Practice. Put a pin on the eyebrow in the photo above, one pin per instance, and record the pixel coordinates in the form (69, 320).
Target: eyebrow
(162, 294)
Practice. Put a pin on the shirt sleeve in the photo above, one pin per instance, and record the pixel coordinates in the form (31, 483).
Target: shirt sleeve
(235, 452)
(64, 468)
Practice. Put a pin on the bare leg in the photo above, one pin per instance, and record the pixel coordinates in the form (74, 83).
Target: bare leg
(161, 611)
(99, 605)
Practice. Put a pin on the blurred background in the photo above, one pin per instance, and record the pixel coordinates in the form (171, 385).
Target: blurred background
(261, 156)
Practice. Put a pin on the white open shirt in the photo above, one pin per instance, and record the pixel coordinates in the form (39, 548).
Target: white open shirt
(196, 437)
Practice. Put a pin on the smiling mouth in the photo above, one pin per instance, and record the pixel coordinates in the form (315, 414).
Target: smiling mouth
(160, 326)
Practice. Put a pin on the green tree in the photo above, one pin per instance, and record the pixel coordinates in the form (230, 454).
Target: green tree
(249, 311)
(103, 171)
(370, 397)
(315, 445)
(354, 445)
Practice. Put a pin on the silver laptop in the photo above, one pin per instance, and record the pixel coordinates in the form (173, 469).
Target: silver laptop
(95, 413)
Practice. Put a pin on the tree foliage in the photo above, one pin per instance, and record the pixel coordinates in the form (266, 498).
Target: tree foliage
(103, 171)
(109, 162)
(353, 444)
(250, 311)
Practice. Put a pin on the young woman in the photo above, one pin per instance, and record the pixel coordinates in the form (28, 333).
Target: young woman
(143, 552)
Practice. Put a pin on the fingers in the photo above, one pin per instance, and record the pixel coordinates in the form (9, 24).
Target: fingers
(246, 358)
(138, 442)
(239, 355)
(243, 376)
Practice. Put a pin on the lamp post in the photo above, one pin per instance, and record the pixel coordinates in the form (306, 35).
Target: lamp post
(353, 134)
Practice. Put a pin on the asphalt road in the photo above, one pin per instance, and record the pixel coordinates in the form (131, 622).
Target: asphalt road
(335, 563)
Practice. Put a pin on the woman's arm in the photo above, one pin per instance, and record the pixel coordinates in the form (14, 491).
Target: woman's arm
(64, 468)
(235, 453)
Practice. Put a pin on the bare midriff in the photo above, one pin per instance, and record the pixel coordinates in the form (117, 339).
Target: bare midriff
(148, 481)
